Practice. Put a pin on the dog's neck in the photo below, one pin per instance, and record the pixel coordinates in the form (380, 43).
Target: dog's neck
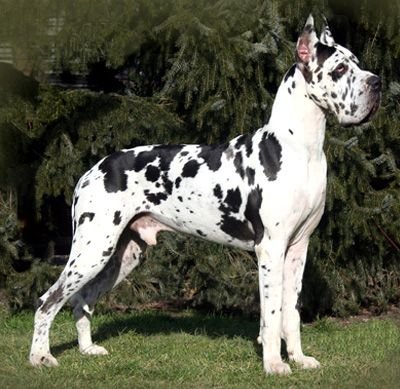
(295, 118)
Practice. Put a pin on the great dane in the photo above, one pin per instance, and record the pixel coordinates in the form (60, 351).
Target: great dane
(262, 191)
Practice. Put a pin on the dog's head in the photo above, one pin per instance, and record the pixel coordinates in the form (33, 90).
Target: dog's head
(334, 81)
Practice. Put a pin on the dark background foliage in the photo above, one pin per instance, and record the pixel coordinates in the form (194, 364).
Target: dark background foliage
(80, 79)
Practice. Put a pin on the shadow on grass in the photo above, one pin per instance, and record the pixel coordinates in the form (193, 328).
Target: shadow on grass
(155, 323)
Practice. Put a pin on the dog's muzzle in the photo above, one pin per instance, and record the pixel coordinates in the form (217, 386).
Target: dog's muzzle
(374, 84)
(374, 87)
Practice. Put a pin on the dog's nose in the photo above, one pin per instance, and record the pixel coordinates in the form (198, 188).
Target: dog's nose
(374, 83)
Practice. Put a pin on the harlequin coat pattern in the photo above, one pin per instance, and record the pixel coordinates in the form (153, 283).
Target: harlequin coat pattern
(262, 191)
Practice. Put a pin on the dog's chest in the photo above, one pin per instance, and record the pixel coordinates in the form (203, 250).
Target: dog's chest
(308, 191)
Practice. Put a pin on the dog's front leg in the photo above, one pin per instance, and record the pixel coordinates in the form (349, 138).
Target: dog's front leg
(292, 280)
(270, 254)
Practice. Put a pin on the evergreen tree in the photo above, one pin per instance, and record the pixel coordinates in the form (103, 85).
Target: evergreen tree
(183, 71)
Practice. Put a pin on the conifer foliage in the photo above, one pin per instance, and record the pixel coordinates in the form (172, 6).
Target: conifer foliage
(80, 79)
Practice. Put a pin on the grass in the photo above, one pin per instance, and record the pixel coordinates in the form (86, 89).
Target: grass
(190, 350)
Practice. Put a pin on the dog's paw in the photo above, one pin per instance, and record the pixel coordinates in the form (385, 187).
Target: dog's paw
(306, 362)
(47, 360)
(94, 349)
(277, 367)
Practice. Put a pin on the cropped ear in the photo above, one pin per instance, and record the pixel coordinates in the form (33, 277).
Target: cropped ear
(326, 36)
(306, 42)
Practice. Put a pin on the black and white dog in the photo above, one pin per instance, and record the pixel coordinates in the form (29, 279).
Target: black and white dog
(263, 191)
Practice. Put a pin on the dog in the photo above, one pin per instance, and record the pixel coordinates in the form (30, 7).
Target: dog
(262, 191)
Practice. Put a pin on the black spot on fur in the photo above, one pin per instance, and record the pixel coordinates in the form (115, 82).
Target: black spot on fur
(309, 28)
(155, 198)
(324, 52)
(85, 183)
(190, 168)
(114, 167)
(178, 182)
(167, 183)
(238, 229)
(54, 298)
(108, 252)
(252, 213)
(165, 154)
(238, 162)
(291, 131)
(290, 73)
(353, 108)
(117, 217)
(306, 73)
(270, 155)
(218, 191)
(250, 173)
(76, 198)
(201, 233)
(152, 173)
(212, 155)
(336, 105)
(85, 215)
(246, 141)
(229, 224)
(232, 202)
(315, 98)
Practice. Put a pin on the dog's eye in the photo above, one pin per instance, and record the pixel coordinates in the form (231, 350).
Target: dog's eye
(341, 68)
(339, 71)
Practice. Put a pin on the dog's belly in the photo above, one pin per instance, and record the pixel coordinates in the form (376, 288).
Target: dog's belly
(196, 211)
(205, 227)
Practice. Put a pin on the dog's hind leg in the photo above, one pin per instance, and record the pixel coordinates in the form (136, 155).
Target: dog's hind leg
(92, 248)
(127, 256)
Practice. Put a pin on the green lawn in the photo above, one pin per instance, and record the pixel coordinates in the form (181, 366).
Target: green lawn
(191, 350)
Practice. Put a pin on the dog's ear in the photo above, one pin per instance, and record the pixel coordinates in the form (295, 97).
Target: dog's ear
(326, 36)
(306, 42)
